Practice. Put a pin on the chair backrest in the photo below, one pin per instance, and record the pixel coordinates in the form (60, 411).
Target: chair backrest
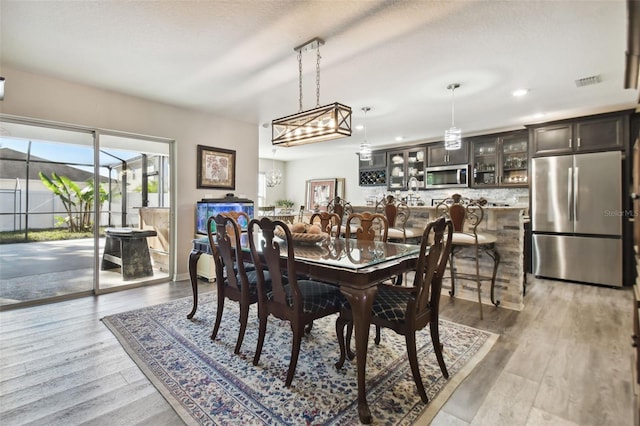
(371, 226)
(462, 211)
(269, 257)
(340, 207)
(241, 218)
(227, 249)
(432, 261)
(328, 222)
(396, 212)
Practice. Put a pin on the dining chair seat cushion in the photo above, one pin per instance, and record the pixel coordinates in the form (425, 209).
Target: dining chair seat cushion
(343, 229)
(464, 239)
(252, 279)
(389, 304)
(395, 234)
(316, 296)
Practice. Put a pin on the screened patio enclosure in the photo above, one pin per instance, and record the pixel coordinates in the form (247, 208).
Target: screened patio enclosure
(61, 188)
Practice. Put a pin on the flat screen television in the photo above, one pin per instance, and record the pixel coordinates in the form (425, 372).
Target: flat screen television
(214, 206)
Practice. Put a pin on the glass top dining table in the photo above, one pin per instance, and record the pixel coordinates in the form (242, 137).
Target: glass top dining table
(356, 267)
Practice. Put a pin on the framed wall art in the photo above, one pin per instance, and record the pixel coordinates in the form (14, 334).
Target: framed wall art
(319, 193)
(216, 168)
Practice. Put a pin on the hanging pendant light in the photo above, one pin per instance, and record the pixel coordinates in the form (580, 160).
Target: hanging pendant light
(273, 177)
(315, 125)
(365, 147)
(453, 135)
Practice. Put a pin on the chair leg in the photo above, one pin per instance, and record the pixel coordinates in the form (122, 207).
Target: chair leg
(377, 338)
(244, 316)
(413, 361)
(478, 284)
(493, 253)
(262, 330)
(298, 331)
(216, 326)
(350, 354)
(452, 270)
(340, 324)
(437, 346)
(309, 327)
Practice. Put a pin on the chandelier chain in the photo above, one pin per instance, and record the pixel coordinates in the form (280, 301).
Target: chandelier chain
(300, 80)
(453, 101)
(318, 75)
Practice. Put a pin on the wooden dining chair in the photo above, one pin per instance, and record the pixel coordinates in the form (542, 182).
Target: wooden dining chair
(397, 213)
(467, 215)
(342, 208)
(407, 310)
(367, 226)
(299, 301)
(233, 280)
(329, 222)
(242, 219)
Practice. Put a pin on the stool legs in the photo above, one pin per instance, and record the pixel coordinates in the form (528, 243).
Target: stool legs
(494, 255)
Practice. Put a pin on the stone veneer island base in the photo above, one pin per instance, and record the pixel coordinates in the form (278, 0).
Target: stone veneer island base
(507, 223)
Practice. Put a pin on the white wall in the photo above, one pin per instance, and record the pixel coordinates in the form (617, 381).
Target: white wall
(298, 172)
(47, 98)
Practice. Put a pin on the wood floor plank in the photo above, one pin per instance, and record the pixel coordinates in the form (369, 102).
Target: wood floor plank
(508, 401)
(59, 365)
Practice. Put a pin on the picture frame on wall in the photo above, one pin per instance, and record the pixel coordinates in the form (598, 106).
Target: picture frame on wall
(216, 168)
(320, 192)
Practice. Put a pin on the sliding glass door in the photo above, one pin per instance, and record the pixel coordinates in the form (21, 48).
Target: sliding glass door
(79, 210)
(136, 211)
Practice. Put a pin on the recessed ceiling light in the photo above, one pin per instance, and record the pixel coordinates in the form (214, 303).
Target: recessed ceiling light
(399, 138)
(520, 92)
(360, 127)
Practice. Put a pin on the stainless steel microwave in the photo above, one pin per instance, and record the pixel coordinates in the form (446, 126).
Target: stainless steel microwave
(447, 176)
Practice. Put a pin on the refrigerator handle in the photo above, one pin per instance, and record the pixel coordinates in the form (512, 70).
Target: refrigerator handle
(576, 185)
(570, 193)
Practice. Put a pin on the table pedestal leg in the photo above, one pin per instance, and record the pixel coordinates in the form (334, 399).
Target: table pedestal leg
(193, 274)
(361, 302)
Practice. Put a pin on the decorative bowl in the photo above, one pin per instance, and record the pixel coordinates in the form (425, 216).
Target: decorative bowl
(301, 238)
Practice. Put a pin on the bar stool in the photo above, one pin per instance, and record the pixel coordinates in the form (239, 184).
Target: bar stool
(466, 215)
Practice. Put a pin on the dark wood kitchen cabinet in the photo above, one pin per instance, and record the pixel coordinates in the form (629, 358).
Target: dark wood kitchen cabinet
(500, 160)
(601, 133)
(403, 165)
(373, 172)
(437, 155)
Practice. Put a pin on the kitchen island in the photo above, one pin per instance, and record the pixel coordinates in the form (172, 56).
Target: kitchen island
(507, 223)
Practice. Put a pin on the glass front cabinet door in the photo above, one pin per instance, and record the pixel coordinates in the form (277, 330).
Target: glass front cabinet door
(501, 160)
(514, 159)
(403, 165)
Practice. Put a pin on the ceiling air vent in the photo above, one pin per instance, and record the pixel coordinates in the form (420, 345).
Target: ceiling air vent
(588, 81)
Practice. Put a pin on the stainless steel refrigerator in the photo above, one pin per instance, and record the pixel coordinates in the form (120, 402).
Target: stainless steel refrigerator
(576, 217)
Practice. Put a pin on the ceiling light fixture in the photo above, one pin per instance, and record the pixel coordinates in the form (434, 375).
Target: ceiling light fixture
(519, 92)
(365, 147)
(273, 177)
(315, 125)
(453, 135)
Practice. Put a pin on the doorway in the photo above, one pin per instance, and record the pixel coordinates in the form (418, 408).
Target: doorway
(61, 188)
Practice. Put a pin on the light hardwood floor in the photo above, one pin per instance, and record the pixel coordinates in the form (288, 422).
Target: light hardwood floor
(564, 360)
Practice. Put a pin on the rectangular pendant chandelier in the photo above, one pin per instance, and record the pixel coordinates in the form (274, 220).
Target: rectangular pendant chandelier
(323, 123)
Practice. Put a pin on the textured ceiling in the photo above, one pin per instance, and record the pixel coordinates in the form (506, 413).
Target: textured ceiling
(236, 59)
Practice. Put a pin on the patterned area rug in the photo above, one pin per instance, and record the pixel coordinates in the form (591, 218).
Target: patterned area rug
(206, 383)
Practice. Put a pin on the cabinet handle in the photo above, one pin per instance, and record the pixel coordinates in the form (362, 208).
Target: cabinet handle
(570, 143)
(578, 142)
